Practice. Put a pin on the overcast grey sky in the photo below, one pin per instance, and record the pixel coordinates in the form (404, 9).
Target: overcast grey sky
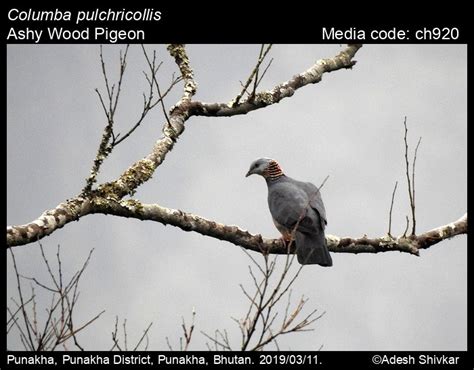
(349, 126)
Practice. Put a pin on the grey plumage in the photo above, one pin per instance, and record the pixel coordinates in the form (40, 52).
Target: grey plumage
(296, 208)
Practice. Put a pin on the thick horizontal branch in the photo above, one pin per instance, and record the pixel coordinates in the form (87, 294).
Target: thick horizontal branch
(107, 198)
(48, 222)
(234, 234)
(78, 207)
(189, 222)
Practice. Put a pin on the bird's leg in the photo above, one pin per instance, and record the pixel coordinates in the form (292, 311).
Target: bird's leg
(288, 240)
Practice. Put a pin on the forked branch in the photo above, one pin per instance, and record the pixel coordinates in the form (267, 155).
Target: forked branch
(261, 324)
(58, 327)
(98, 200)
(410, 180)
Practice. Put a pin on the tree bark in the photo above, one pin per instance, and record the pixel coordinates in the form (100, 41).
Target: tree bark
(107, 198)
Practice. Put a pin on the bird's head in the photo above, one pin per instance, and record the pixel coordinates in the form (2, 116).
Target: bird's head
(266, 167)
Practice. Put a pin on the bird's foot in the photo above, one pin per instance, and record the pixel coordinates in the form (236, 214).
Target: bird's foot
(287, 241)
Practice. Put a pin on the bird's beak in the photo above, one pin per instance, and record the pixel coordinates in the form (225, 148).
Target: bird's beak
(248, 174)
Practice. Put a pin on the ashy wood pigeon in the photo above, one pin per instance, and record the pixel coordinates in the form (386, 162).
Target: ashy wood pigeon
(296, 208)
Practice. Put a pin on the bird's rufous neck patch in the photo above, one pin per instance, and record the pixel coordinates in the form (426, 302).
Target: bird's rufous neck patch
(273, 171)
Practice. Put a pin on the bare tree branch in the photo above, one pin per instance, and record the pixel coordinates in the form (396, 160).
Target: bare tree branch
(255, 242)
(188, 333)
(284, 90)
(116, 340)
(410, 180)
(185, 339)
(115, 336)
(390, 212)
(107, 198)
(109, 139)
(155, 82)
(144, 336)
(104, 147)
(257, 81)
(253, 75)
(148, 103)
(143, 170)
(258, 327)
(234, 234)
(222, 341)
(58, 327)
(406, 227)
(413, 230)
(26, 321)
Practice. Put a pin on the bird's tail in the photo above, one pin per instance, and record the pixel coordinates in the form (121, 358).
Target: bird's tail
(312, 249)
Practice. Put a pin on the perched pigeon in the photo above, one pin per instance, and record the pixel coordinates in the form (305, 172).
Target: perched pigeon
(295, 206)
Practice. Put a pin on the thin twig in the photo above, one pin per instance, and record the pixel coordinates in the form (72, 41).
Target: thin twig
(251, 299)
(106, 112)
(86, 324)
(13, 315)
(58, 327)
(390, 212)
(144, 336)
(275, 342)
(33, 279)
(123, 65)
(169, 344)
(264, 71)
(407, 226)
(142, 117)
(104, 74)
(407, 169)
(188, 333)
(256, 74)
(413, 230)
(153, 76)
(22, 302)
(114, 336)
(124, 326)
(23, 336)
(322, 184)
(185, 339)
(242, 85)
(216, 341)
(148, 103)
(253, 260)
(252, 74)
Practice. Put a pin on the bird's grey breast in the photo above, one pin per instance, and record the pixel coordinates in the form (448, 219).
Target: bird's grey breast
(287, 202)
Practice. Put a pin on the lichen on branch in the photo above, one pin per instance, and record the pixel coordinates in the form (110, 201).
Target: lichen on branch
(107, 198)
